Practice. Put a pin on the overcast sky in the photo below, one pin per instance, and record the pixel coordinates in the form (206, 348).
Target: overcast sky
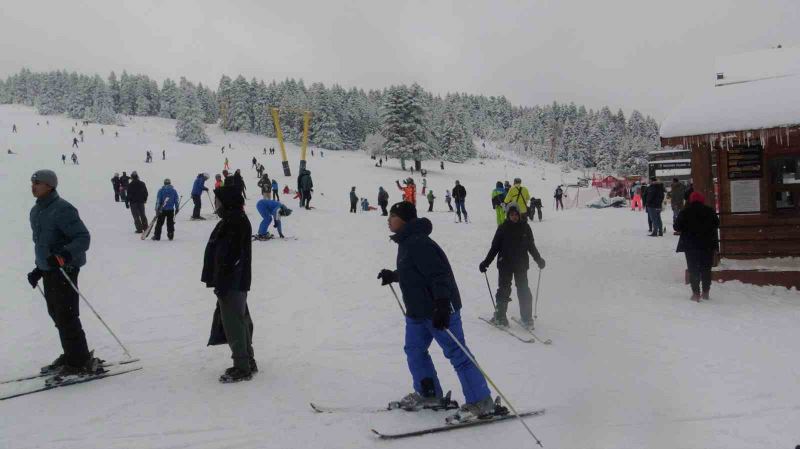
(629, 54)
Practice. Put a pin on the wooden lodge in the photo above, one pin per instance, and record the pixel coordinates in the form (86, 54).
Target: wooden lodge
(744, 139)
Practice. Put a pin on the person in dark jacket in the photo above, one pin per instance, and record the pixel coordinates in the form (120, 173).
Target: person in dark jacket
(353, 200)
(305, 185)
(512, 243)
(698, 225)
(124, 180)
(676, 192)
(197, 191)
(227, 269)
(460, 195)
(265, 184)
(433, 304)
(115, 185)
(60, 243)
(137, 196)
(238, 182)
(559, 196)
(653, 204)
(383, 201)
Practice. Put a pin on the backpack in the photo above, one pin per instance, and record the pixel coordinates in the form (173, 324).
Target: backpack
(497, 200)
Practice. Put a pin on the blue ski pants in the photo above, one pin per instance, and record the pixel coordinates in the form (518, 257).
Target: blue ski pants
(419, 335)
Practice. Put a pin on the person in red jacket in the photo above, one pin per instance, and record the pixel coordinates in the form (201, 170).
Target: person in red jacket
(409, 191)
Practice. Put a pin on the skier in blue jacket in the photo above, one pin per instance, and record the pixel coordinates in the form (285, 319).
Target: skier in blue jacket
(275, 195)
(270, 211)
(166, 208)
(433, 305)
(197, 191)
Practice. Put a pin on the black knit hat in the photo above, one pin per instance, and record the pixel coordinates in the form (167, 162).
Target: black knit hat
(230, 197)
(404, 211)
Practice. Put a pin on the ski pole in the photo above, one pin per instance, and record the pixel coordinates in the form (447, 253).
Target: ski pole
(41, 291)
(490, 291)
(399, 304)
(74, 287)
(488, 379)
(536, 304)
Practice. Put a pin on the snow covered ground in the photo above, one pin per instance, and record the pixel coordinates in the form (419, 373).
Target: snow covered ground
(633, 362)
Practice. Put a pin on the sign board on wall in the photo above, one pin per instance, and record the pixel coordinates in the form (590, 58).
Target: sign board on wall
(746, 196)
(744, 162)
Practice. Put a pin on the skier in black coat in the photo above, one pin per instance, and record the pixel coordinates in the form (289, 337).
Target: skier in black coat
(227, 269)
(653, 203)
(698, 225)
(115, 184)
(512, 243)
(124, 180)
(137, 197)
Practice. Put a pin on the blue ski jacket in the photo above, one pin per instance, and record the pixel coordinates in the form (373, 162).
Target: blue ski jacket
(57, 228)
(199, 185)
(167, 198)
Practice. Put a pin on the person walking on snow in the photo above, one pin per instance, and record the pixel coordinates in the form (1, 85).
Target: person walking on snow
(498, 196)
(227, 269)
(353, 200)
(265, 184)
(74, 142)
(275, 195)
(226, 166)
(137, 197)
(698, 225)
(559, 195)
(270, 210)
(460, 195)
(424, 185)
(238, 182)
(448, 199)
(432, 304)
(60, 243)
(430, 199)
(217, 181)
(676, 192)
(124, 180)
(115, 185)
(305, 185)
(197, 192)
(653, 203)
(14, 128)
(166, 208)
(636, 197)
(383, 201)
(512, 243)
(63, 159)
(409, 191)
(74, 159)
(518, 195)
(255, 162)
(163, 155)
(536, 206)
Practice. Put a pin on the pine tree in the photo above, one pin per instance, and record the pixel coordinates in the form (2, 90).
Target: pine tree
(169, 99)
(189, 128)
(102, 109)
(403, 125)
(241, 110)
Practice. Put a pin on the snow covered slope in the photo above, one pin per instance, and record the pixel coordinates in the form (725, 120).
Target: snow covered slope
(634, 363)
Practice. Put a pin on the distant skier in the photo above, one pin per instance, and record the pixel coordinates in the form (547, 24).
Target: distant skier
(124, 180)
(270, 210)
(424, 185)
(518, 194)
(74, 159)
(430, 197)
(255, 162)
(448, 199)
(432, 304)
(305, 186)
(166, 207)
(380, 162)
(222, 149)
(383, 201)
(365, 205)
(441, 165)
(460, 195)
(60, 243)
(512, 243)
(115, 185)
(265, 151)
(231, 240)
(11, 152)
(137, 197)
(197, 193)
(226, 165)
(80, 133)
(63, 159)
(102, 132)
(353, 200)
(74, 142)
(498, 196)
(698, 226)
(409, 191)
(14, 128)
(559, 195)
(163, 155)
(116, 133)
(536, 206)
(275, 195)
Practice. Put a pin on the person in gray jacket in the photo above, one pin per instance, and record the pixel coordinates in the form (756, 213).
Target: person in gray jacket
(60, 243)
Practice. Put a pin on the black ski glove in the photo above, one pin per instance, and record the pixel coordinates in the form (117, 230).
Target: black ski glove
(53, 259)
(483, 266)
(387, 277)
(441, 313)
(34, 276)
(541, 263)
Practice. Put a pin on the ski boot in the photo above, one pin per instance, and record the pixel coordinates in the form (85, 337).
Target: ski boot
(499, 318)
(485, 408)
(92, 367)
(527, 324)
(263, 237)
(54, 367)
(413, 402)
(234, 374)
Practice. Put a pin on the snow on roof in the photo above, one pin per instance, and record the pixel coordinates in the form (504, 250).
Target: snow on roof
(756, 65)
(766, 103)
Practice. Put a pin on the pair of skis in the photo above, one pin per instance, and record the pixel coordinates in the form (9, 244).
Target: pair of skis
(149, 229)
(502, 414)
(531, 337)
(50, 382)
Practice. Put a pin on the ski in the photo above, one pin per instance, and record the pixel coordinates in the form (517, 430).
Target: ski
(37, 376)
(509, 331)
(71, 381)
(447, 427)
(446, 404)
(530, 331)
(323, 409)
(149, 229)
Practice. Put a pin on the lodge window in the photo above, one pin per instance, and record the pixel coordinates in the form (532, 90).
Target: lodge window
(784, 185)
